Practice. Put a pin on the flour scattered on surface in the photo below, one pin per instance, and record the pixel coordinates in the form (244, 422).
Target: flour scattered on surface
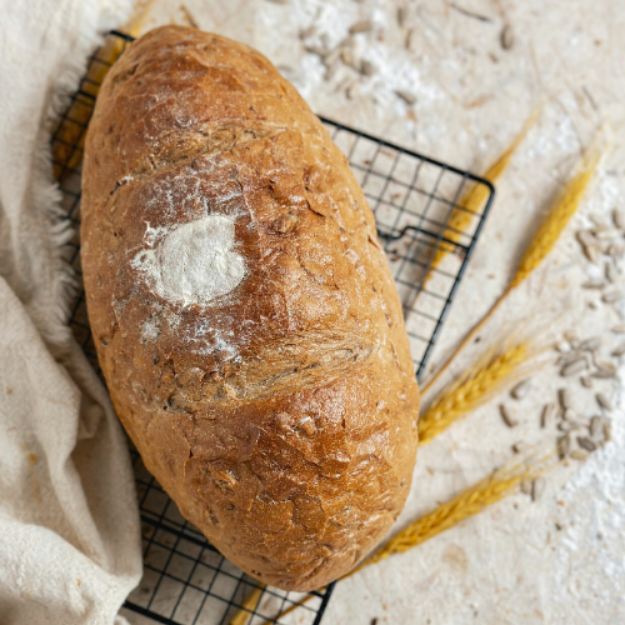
(193, 263)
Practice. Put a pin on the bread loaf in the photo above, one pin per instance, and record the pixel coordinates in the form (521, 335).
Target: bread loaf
(243, 311)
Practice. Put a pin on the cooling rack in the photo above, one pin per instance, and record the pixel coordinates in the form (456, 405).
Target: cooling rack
(186, 580)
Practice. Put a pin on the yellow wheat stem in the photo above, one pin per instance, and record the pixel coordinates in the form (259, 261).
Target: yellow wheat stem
(470, 502)
(473, 200)
(249, 605)
(67, 150)
(558, 216)
(476, 386)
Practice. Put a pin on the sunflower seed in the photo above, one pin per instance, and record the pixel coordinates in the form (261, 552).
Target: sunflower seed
(607, 432)
(603, 374)
(363, 26)
(570, 335)
(591, 252)
(619, 351)
(613, 296)
(507, 417)
(612, 272)
(548, 414)
(586, 443)
(564, 445)
(507, 37)
(401, 15)
(616, 249)
(605, 233)
(568, 426)
(606, 365)
(603, 401)
(367, 68)
(538, 488)
(594, 283)
(565, 397)
(519, 447)
(590, 345)
(406, 96)
(577, 366)
(619, 328)
(596, 426)
(570, 415)
(579, 454)
(527, 486)
(618, 217)
(571, 358)
(586, 381)
(585, 238)
(521, 389)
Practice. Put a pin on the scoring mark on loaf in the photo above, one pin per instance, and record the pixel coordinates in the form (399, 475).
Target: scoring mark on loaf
(192, 263)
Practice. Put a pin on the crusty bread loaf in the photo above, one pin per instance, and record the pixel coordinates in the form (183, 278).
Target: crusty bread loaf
(244, 314)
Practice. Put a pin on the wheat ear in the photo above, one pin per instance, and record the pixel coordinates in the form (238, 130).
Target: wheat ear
(471, 203)
(558, 216)
(67, 151)
(468, 503)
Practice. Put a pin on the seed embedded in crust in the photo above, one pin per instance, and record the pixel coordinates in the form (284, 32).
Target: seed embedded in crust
(548, 413)
(586, 443)
(521, 389)
(574, 368)
(603, 401)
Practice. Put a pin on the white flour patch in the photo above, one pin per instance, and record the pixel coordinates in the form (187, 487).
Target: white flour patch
(193, 263)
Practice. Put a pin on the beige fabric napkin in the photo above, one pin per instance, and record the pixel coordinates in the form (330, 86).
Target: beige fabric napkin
(69, 527)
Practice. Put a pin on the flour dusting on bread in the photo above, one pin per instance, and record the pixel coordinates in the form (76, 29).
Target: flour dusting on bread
(193, 263)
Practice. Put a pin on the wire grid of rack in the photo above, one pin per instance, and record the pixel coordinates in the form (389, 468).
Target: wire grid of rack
(186, 581)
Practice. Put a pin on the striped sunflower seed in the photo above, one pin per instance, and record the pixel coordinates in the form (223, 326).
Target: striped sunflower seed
(548, 414)
(579, 454)
(507, 417)
(574, 368)
(586, 443)
(603, 401)
(521, 389)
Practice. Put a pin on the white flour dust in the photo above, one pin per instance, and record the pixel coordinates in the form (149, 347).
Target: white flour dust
(193, 263)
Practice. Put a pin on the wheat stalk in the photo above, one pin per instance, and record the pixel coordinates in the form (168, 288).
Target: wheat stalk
(476, 386)
(473, 200)
(470, 502)
(67, 150)
(558, 216)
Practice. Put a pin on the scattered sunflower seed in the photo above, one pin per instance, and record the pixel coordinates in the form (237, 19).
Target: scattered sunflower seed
(527, 486)
(585, 238)
(586, 381)
(606, 365)
(507, 37)
(401, 15)
(606, 232)
(406, 96)
(603, 401)
(590, 345)
(594, 283)
(618, 217)
(347, 57)
(616, 249)
(566, 398)
(573, 368)
(579, 454)
(548, 414)
(367, 68)
(586, 443)
(519, 447)
(363, 26)
(507, 417)
(612, 272)
(307, 32)
(619, 351)
(572, 358)
(619, 328)
(607, 431)
(538, 488)
(591, 252)
(521, 389)
(564, 445)
(603, 374)
(570, 335)
(596, 426)
(570, 415)
(568, 426)
(613, 296)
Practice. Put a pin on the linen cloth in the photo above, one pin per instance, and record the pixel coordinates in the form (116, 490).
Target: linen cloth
(69, 528)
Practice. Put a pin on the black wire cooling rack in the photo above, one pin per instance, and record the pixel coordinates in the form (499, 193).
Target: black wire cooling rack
(186, 580)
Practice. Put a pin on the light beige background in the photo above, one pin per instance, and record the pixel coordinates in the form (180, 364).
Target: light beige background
(511, 565)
